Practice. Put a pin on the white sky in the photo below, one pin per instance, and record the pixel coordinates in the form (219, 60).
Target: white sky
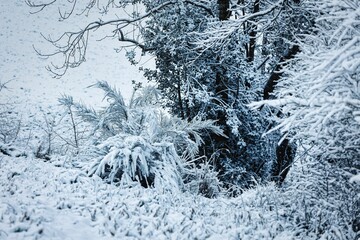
(30, 83)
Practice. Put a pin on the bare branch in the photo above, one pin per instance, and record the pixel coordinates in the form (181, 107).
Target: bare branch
(74, 3)
(66, 15)
(72, 46)
(40, 7)
(3, 85)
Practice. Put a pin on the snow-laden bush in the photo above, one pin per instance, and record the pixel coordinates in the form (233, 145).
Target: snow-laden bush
(128, 157)
(322, 202)
(9, 122)
(203, 180)
(11, 125)
(140, 141)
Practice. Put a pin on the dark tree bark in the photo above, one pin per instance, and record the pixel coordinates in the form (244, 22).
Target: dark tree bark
(285, 152)
(224, 12)
(252, 35)
(277, 73)
(180, 102)
(221, 91)
(221, 82)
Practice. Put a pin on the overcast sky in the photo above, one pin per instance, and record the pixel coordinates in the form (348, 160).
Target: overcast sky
(29, 80)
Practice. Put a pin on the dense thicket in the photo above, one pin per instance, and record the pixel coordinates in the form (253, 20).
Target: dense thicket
(296, 58)
(214, 59)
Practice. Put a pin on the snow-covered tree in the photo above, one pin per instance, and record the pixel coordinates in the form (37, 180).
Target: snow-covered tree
(249, 48)
(319, 96)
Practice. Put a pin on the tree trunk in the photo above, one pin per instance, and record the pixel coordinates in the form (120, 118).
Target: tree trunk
(180, 102)
(252, 34)
(222, 92)
(285, 152)
(224, 12)
(276, 74)
(221, 84)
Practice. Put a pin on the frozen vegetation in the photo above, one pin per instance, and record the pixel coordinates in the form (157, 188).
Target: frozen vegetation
(249, 128)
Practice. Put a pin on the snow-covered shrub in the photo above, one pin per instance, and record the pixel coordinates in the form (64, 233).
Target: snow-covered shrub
(204, 180)
(127, 158)
(253, 156)
(9, 121)
(140, 141)
(57, 132)
(322, 203)
(10, 124)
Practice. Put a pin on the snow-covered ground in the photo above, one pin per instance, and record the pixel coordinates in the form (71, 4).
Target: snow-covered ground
(41, 200)
(36, 201)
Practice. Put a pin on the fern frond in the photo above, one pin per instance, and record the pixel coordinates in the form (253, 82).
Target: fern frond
(66, 100)
(88, 114)
(117, 103)
(148, 95)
